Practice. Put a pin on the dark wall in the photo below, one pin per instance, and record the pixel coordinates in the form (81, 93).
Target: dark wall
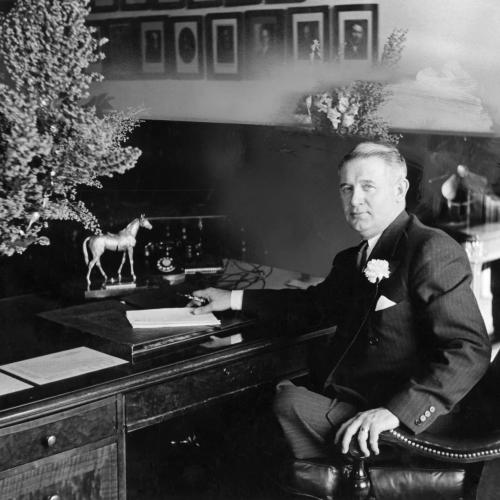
(277, 185)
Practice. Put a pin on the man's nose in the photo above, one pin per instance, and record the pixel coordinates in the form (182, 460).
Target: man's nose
(357, 196)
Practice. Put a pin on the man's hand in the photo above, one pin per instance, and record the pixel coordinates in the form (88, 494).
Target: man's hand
(367, 425)
(218, 300)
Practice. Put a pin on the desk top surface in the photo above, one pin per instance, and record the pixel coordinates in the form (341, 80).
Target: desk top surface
(30, 337)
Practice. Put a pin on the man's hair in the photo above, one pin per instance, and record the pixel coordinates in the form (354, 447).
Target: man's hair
(386, 152)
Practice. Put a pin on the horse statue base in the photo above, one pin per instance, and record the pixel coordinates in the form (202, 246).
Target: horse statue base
(111, 288)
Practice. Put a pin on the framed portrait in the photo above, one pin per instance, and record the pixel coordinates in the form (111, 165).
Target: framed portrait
(224, 43)
(198, 4)
(264, 42)
(168, 4)
(135, 4)
(186, 40)
(103, 5)
(308, 34)
(153, 46)
(123, 49)
(355, 29)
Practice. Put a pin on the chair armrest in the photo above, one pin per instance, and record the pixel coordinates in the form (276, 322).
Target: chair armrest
(451, 449)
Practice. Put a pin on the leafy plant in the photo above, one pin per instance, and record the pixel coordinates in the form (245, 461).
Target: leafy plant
(352, 109)
(50, 143)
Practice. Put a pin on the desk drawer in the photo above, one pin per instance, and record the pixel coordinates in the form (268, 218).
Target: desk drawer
(90, 474)
(50, 435)
(163, 400)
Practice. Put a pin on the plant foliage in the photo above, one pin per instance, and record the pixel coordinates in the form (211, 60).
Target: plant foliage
(50, 142)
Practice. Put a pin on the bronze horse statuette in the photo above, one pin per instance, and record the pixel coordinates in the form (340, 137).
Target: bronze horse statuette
(124, 242)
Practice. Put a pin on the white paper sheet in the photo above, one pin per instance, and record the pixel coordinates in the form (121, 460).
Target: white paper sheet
(9, 384)
(169, 317)
(61, 365)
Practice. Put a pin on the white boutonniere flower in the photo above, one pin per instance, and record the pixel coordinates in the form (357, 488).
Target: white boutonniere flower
(376, 270)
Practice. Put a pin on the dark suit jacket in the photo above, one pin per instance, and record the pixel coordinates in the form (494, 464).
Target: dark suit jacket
(418, 358)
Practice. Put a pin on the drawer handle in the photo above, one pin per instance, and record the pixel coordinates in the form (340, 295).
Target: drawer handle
(50, 441)
(226, 371)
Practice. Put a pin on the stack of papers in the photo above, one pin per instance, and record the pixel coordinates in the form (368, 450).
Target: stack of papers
(61, 365)
(170, 317)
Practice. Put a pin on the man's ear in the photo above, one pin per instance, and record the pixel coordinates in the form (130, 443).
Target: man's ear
(402, 188)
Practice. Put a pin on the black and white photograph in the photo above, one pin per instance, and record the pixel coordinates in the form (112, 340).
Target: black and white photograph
(308, 34)
(264, 42)
(187, 46)
(356, 33)
(153, 46)
(259, 259)
(123, 50)
(224, 45)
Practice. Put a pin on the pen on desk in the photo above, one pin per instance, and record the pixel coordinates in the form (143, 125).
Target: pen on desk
(199, 300)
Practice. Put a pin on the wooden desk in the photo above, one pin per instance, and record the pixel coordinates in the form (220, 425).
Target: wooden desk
(67, 440)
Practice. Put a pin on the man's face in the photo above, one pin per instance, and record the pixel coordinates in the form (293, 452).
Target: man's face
(357, 33)
(265, 36)
(372, 195)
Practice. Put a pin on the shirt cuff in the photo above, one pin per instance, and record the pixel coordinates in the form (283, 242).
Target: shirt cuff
(236, 300)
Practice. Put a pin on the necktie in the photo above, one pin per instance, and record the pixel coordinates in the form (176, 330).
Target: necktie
(362, 253)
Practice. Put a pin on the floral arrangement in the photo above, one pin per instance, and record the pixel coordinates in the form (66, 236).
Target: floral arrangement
(376, 270)
(50, 143)
(352, 109)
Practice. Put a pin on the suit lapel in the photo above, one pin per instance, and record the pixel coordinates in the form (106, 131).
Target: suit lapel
(387, 244)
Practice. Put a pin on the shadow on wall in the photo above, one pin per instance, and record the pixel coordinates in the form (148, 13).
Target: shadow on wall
(278, 186)
(286, 197)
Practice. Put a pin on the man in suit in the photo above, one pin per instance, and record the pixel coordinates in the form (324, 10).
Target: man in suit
(356, 43)
(410, 340)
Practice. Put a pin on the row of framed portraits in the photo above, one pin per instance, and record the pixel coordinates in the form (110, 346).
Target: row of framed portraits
(112, 5)
(236, 45)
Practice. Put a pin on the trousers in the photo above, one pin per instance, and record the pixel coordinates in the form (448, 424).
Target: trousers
(302, 414)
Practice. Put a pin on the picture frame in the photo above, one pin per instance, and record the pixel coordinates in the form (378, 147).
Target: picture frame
(135, 4)
(224, 45)
(355, 29)
(168, 4)
(304, 25)
(103, 5)
(153, 45)
(199, 4)
(123, 49)
(264, 42)
(186, 39)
